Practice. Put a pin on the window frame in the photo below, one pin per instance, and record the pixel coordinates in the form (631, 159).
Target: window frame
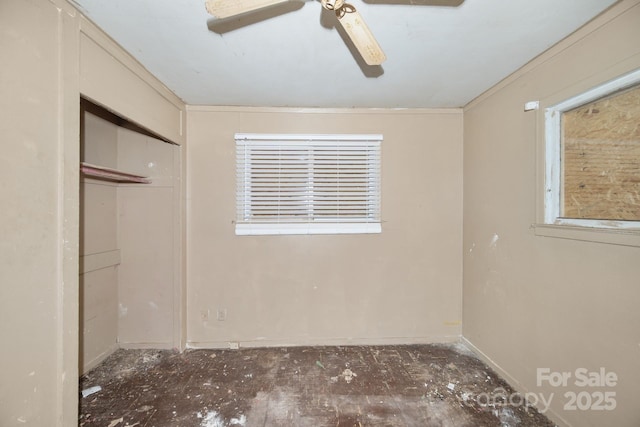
(313, 225)
(550, 222)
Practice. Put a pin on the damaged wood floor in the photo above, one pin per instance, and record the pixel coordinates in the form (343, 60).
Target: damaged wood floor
(417, 385)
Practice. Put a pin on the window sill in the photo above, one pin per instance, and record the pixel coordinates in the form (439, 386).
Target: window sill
(590, 234)
(314, 228)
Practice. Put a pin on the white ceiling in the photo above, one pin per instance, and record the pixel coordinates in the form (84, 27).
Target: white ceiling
(440, 53)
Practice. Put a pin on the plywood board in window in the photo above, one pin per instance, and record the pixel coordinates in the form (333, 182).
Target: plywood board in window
(601, 158)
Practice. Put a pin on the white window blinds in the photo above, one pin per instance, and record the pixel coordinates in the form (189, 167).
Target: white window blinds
(308, 184)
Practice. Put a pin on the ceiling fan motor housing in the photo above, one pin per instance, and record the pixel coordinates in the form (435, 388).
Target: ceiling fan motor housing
(332, 4)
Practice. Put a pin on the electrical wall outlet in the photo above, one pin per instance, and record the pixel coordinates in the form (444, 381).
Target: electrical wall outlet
(222, 314)
(234, 345)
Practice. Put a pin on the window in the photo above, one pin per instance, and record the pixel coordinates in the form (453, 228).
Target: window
(308, 184)
(592, 176)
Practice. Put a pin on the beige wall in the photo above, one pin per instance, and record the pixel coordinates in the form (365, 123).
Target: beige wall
(148, 226)
(539, 302)
(99, 250)
(401, 286)
(39, 215)
(39, 175)
(111, 78)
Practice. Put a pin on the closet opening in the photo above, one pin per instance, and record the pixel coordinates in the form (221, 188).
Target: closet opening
(129, 237)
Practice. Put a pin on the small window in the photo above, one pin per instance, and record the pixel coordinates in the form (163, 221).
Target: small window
(308, 184)
(593, 157)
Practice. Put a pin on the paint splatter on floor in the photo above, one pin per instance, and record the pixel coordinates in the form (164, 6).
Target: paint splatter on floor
(421, 385)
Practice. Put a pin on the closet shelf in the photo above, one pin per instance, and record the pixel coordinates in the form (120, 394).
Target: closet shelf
(108, 174)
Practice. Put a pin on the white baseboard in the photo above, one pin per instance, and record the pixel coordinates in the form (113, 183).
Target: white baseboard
(87, 366)
(322, 342)
(512, 381)
(147, 345)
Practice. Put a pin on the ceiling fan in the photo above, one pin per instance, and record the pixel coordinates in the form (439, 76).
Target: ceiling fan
(348, 17)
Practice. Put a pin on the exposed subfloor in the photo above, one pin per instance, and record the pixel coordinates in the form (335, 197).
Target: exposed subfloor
(417, 385)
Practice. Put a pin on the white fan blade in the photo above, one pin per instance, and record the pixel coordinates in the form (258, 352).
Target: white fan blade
(360, 35)
(227, 8)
